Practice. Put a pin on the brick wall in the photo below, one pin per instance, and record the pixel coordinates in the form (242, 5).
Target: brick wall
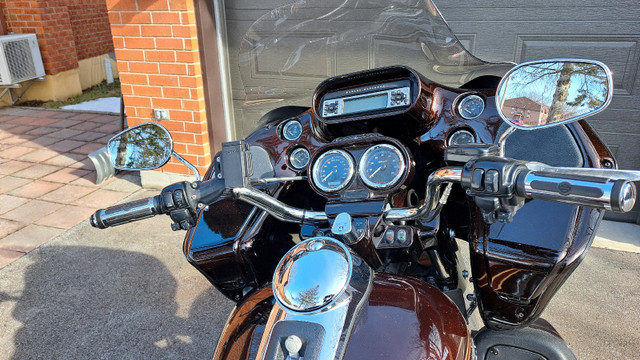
(157, 52)
(90, 26)
(67, 30)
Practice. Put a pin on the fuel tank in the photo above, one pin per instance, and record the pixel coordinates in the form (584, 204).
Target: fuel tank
(402, 318)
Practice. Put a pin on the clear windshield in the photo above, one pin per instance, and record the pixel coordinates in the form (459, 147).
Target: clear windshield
(289, 51)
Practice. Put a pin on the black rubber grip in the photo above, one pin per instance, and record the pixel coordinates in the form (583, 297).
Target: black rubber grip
(127, 212)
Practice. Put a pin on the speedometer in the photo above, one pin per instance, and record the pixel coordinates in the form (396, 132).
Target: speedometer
(333, 170)
(382, 166)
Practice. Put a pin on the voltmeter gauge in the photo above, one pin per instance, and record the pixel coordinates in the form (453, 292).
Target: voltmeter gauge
(461, 137)
(299, 158)
(470, 106)
(292, 130)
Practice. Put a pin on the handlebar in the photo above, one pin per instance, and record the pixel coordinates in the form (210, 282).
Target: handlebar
(127, 212)
(568, 187)
(605, 189)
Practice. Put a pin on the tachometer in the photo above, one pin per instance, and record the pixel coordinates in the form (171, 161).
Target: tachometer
(382, 166)
(333, 170)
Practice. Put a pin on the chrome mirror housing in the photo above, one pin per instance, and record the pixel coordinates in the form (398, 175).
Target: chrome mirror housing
(544, 93)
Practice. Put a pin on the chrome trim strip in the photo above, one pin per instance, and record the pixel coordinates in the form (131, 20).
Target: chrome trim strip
(603, 202)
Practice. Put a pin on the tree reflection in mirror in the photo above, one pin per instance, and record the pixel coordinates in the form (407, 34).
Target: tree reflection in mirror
(143, 147)
(539, 94)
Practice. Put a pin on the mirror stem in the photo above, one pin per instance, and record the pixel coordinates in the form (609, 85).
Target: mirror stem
(502, 140)
(188, 164)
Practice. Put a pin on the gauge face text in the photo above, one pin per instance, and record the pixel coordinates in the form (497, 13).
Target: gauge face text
(292, 130)
(471, 107)
(333, 170)
(382, 166)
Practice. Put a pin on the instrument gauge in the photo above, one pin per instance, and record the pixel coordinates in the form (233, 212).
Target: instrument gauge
(382, 166)
(470, 107)
(461, 137)
(292, 130)
(299, 158)
(333, 170)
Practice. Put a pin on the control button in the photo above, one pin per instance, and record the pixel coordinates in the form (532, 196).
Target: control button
(402, 236)
(476, 179)
(492, 181)
(389, 236)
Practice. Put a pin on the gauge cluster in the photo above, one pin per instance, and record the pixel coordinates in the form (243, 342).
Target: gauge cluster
(378, 168)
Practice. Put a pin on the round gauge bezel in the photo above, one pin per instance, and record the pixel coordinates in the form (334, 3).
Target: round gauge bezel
(287, 125)
(291, 156)
(315, 176)
(397, 177)
(466, 97)
(458, 131)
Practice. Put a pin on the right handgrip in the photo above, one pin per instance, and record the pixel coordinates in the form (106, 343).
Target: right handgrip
(127, 212)
(616, 195)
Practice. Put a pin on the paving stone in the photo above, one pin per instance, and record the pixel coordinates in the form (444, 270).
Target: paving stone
(11, 166)
(40, 142)
(65, 133)
(66, 145)
(85, 126)
(101, 199)
(21, 129)
(9, 226)
(8, 202)
(123, 185)
(16, 139)
(73, 215)
(9, 256)
(43, 130)
(88, 136)
(9, 183)
(68, 193)
(36, 171)
(35, 189)
(66, 175)
(88, 148)
(15, 152)
(63, 160)
(39, 155)
(31, 211)
(87, 180)
(65, 123)
(85, 164)
(85, 116)
(29, 237)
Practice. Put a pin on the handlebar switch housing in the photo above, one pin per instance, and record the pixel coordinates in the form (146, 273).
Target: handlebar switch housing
(491, 182)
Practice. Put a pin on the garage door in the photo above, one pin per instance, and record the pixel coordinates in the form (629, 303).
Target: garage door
(510, 30)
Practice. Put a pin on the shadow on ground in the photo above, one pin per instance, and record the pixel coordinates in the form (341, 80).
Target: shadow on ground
(87, 302)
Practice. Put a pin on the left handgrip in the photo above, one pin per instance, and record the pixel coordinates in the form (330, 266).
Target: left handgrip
(127, 212)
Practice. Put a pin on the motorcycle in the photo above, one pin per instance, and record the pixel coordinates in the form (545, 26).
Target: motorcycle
(336, 227)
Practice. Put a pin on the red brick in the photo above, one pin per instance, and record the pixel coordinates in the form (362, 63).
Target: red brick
(137, 101)
(125, 30)
(145, 90)
(167, 103)
(166, 17)
(122, 54)
(139, 43)
(175, 92)
(160, 55)
(181, 115)
(183, 137)
(176, 69)
(173, 125)
(139, 17)
(156, 30)
(138, 79)
(184, 30)
(163, 80)
(153, 5)
(169, 44)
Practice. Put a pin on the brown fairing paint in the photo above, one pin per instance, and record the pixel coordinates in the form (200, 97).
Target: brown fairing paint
(403, 319)
(517, 267)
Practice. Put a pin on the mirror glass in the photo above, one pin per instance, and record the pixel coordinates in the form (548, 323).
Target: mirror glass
(539, 94)
(143, 147)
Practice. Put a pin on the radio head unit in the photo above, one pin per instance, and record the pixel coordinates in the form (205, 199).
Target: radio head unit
(367, 99)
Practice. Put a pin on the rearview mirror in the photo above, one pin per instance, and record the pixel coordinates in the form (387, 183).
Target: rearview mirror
(143, 147)
(544, 93)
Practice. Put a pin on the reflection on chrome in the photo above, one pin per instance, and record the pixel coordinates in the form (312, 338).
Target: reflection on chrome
(143, 147)
(318, 284)
(540, 93)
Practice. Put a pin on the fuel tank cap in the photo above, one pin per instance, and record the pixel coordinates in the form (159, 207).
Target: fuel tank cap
(313, 274)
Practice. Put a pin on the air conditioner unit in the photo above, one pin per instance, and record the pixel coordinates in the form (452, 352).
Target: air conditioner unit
(20, 59)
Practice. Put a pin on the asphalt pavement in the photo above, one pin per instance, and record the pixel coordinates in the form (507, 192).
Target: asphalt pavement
(129, 293)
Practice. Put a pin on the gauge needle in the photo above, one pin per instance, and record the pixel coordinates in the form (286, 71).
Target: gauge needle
(326, 177)
(377, 170)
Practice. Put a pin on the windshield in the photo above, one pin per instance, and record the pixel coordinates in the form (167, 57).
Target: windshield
(290, 50)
